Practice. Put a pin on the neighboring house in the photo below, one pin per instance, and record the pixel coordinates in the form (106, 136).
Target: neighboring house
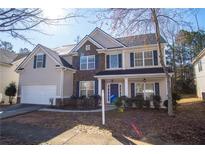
(8, 63)
(121, 66)
(45, 76)
(199, 69)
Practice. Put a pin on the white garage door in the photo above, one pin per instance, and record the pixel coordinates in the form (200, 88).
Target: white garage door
(37, 94)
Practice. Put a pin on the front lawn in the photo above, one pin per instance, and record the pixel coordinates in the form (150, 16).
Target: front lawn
(187, 127)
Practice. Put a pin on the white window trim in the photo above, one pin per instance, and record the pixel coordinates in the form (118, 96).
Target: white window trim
(143, 60)
(110, 61)
(87, 62)
(148, 58)
(37, 60)
(144, 87)
(86, 89)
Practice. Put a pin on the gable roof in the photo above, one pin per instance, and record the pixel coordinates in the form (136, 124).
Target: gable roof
(105, 39)
(198, 57)
(7, 57)
(53, 54)
(138, 40)
(86, 38)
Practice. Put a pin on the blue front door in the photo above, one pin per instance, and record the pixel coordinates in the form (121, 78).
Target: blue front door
(114, 93)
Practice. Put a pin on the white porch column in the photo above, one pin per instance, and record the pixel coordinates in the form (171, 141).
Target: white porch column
(99, 86)
(126, 87)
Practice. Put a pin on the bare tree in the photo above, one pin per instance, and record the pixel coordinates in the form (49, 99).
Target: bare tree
(128, 21)
(6, 45)
(15, 21)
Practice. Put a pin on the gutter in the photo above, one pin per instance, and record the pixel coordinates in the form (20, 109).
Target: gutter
(122, 48)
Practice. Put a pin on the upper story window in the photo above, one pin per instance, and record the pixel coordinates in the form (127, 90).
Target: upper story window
(139, 59)
(200, 66)
(144, 58)
(114, 62)
(87, 62)
(39, 60)
(87, 47)
(148, 58)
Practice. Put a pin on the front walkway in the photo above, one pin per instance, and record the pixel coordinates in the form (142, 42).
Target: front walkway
(107, 108)
(76, 137)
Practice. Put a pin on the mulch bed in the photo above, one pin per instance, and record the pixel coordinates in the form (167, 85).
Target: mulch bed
(187, 127)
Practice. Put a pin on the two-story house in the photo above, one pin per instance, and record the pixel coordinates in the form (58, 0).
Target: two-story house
(121, 66)
(199, 69)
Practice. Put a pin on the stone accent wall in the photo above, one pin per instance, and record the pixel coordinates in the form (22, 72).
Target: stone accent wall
(87, 75)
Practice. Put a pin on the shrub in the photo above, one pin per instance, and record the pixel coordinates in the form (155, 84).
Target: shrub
(94, 100)
(166, 104)
(124, 100)
(175, 97)
(147, 103)
(139, 101)
(156, 101)
(118, 103)
(11, 91)
(73, 97)
(129, 102)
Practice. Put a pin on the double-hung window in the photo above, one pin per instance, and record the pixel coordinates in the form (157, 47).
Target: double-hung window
(87, 62)
(114, 62)
(144, 58)
(87, 88)
(39, 60)
(149, 90)
(148, 58)
(145, 89)
(139, 59)
(139, 89)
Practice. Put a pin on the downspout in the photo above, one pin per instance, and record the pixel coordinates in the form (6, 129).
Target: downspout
(61, 84)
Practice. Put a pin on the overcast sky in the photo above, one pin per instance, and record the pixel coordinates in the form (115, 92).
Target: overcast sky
(67, 34)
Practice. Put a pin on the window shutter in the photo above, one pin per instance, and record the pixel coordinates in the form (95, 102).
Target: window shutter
(157, 92)
(155, 55)
(76, 62)
(96, 61)
(96, 87)
(131, 59)
(44, 60)
(120, 60)
(34, 62)
(77, 89)
(108, 61)
(132, 89)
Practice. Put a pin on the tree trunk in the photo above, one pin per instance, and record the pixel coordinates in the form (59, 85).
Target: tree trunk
(157, 30)
(10, 100)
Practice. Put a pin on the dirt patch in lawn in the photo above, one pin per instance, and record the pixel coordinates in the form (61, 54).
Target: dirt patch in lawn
(187, 127)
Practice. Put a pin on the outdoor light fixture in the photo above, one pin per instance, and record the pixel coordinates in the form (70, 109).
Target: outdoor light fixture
(144, 80)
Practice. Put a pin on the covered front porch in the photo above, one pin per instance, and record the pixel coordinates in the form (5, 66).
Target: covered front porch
(132, 85)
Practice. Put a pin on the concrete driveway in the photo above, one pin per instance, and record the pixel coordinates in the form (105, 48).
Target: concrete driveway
(18, 109)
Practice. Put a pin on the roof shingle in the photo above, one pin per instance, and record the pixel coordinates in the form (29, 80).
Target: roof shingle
(7, 56)
(133, 71)
(137, 40)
